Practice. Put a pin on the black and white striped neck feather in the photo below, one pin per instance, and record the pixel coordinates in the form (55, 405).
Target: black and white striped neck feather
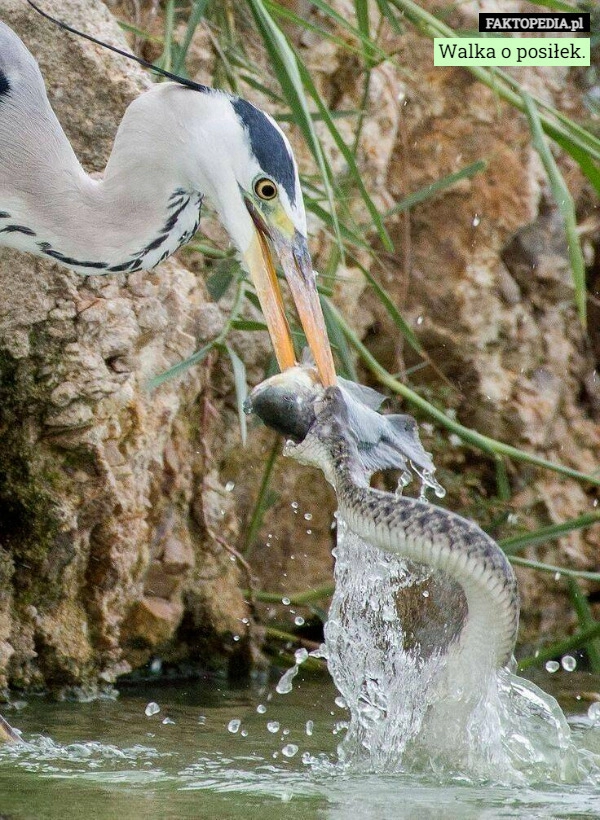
(173, 146)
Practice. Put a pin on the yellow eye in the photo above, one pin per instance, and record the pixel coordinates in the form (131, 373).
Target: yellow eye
(265, 188)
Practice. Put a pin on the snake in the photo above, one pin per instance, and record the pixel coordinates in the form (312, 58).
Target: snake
(414, 529)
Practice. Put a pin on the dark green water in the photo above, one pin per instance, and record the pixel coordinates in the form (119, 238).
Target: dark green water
(107, 759)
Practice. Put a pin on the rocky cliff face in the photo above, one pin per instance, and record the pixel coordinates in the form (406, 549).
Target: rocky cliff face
(106, 515)
(118, 523)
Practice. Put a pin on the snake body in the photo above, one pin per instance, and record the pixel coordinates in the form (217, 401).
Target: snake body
(419, 531)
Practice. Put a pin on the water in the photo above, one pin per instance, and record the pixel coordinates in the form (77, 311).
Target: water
(108, 759)
(415, 704)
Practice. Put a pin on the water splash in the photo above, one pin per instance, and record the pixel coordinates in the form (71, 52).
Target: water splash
(410, 706)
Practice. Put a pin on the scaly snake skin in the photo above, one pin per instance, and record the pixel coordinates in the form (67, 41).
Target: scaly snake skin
(419, 531)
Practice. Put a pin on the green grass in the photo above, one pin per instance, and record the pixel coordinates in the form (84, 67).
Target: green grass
(332, 198)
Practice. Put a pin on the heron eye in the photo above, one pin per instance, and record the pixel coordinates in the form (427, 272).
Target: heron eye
(265, 188)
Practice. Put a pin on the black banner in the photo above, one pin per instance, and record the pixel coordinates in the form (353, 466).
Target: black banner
(572, 22)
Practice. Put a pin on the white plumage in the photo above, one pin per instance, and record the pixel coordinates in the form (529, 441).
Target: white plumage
(174, 146)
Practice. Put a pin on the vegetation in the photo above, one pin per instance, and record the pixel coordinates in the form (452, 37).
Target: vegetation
(296, 95)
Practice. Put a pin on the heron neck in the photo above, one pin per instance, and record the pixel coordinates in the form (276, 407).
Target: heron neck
(138, 213)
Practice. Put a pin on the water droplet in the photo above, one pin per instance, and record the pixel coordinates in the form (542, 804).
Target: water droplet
(234, 725)
(405, 478)
(300, 655)
(273, 727)
(299, 620)
(428, 482)
(557, 576)
(294, 505)
(156, 666)
(285, 682)
(289, 750)
(261, 708)
(476, 220)
(594, 712)
(419, 320)
(308, 516)
(306, 758)
(244, 733)
(229, 486)
(425, 593)
(568, 663)
(341, 702)
(168, 722)
(309, 727)
(285, 601)
(552, 666)
(152, 709)
(285, 733)
(236, 638)
(201, 720)
(309, 532)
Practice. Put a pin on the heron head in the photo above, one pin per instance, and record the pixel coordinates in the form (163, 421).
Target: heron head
(266, 219)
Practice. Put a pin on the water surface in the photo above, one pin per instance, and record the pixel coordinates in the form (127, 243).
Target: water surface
(108, 759)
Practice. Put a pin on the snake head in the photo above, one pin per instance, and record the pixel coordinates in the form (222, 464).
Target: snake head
(330, 443)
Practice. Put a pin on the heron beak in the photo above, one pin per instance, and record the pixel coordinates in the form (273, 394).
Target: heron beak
(292, 249)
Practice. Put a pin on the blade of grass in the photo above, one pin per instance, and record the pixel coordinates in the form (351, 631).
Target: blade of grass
(248, 324)
(287, 70)
(261, 504)
(348, 156)
(241, 388)
(361, 9)
(581, 157)
(285, 13)
(196, 15)
(298, 599)
(543, 567)
(338, 341)
(586, 620)
(344, 24)
(181, 367)
(390, 15)
(485, 443)
(209, 250)
(435, 187)
(543, 534)
(166, 58)
(143, 35)
(349, 236)
(557, 5)
(565, 203)
(559, 648)
(503, 490)
(393, 312)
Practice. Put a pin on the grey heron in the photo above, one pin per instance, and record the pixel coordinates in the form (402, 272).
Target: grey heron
(177, 143)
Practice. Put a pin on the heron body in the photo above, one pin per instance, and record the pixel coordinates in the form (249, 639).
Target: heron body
(174, 147)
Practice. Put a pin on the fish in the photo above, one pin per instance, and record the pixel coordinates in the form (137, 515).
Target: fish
(289, 402)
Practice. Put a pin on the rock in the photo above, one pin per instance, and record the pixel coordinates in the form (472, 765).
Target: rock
(96, 472)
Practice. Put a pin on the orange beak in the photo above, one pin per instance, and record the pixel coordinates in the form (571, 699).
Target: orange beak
(297, 268)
